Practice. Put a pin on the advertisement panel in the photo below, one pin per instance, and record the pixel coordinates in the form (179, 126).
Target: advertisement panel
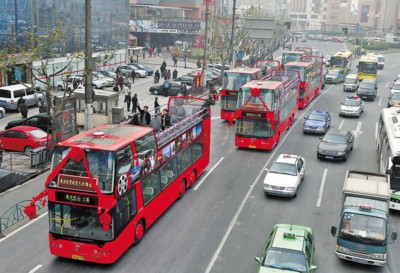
(354, 7)
(179, 27)
(365, 10)
(143, 26)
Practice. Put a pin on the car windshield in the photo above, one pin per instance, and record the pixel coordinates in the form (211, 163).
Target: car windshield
(350, 80)
(38, 133)
(369, 86)
(284, 168)
(335, 138)
(314, 116)
(253, 128)
(396, 96)
(285, 259)
(350, 102)
(333, 72)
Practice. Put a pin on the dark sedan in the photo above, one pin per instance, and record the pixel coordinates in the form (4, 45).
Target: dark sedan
(189, 80)
(42, 121)
(336, 145)
(174, 89)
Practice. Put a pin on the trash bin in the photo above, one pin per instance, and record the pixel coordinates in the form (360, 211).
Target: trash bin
(38, 156)
(117, 114)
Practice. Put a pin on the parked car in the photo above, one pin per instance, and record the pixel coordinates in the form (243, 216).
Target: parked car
(336, 145)
(10, 94)
(367, 89)
(108, 80)
(317, 122)
(2, 112)
(42, 121)
(189, 80)
(174, 88)
(335, 76)
(108, 73)
(24, 139)
(150, 71)
(394, 99)
(77, 80)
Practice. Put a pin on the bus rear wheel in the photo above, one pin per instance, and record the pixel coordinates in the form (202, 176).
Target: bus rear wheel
(182, 189)
(139, 232)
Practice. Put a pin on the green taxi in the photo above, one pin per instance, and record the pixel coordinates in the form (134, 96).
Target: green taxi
(289, 248)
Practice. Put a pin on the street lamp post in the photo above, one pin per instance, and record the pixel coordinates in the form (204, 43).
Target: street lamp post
(88, 66)
(204, 76)
(231, 51)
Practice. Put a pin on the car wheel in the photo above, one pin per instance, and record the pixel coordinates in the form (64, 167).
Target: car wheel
(60, 88)
(345, 157)
(28, 150)
(155, 92)
(137, 75)
(1, 114)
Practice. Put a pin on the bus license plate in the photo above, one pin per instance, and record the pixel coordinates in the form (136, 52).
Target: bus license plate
(78, 257)
(252, 146)
(360, 261)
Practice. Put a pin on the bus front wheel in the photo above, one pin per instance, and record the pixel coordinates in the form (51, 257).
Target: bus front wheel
(139, 232)
(182, 189)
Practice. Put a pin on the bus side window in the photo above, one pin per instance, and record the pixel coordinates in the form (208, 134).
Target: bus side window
(125, 210)
(145, 146)
(184, 160)
(151, 187)
(168, 173)
(123, 161)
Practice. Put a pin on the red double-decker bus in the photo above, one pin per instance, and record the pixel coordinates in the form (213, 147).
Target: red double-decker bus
(232, 81)
(268, 66)
(310, 69)
(307, 50)
(291, 56)
(266, 109)
(108, 185)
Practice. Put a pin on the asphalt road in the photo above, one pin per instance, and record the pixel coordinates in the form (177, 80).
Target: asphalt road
(222, 224)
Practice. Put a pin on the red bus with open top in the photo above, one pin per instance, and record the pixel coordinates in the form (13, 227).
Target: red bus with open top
(232, 81)
(108, 185)
(268, 66)
(266, 109)
(291, 56)
(307, 50)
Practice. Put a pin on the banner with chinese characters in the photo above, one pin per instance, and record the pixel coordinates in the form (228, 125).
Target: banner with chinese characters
(179, 27)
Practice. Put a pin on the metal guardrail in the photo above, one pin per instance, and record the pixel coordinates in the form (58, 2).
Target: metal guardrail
(16, 214)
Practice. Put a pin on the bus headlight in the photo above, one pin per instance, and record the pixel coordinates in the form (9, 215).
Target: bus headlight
(343, 250)
(378, 256)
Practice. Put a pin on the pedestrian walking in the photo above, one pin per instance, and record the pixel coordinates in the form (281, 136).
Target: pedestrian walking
(156, 106)
(120, 82)
(145, 117)
(163, 67)
(23, 109)
(127, 94)
(169, 74)
(198, 63)
(134, 103)
(133, 75)
(165, 88)
(1, 153)
(184, 89)
(175, 61)
(175, 74)
(150, 52)
(165, 120)
(165, 75)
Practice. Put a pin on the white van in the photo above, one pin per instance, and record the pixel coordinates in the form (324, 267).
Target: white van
(9, 95)
(350, 82)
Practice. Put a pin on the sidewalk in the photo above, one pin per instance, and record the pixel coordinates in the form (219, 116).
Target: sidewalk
(158, 59)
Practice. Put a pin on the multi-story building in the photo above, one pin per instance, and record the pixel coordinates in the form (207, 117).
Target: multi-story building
(161, 23)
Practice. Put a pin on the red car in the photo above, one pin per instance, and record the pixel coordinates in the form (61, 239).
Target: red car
(23, 139)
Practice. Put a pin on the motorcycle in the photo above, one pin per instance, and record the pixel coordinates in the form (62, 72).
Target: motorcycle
(156, 79)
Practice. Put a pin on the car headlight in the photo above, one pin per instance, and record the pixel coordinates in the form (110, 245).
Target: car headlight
(290, 188)
(378, 256)
(266, 186)
(342, 250)
(341, 153)
(305, 127)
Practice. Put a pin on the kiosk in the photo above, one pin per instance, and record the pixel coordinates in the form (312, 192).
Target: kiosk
(103, 103)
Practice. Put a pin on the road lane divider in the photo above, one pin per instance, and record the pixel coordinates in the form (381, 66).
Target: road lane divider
(253, 185)
(380, 101)
(208, 173)
(357, 132)
(321, 188)
(341, 124)
(36, 268)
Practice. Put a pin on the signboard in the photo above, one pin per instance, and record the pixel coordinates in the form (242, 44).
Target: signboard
(76, 198)
(178, 27)
(73, 182)
(254, 106)
(254, 115)
(143, 26)
(259, 28)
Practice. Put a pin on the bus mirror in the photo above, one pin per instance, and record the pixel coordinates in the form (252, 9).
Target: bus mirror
(313, 267)
(394, 236)
(333, 231)
(266, 169)
(258, 260)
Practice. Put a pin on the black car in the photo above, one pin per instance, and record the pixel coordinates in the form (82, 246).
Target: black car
(368, 89)
(174, 88)
(336, 145)
(189, 80)
(42, 121)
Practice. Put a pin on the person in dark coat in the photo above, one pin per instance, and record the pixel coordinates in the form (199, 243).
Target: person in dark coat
(156, 106)
(175, 61)
(198, 63)
(165, 120)
(134, 103)
(165, 75)
(133, 75)
(120, 82)
(163, 67)
(145, 117)
(174, 74)
(23, 108)
(169, 74)
(184, 89)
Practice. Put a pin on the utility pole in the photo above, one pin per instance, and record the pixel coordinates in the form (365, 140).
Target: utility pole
(16, 20)
(88, 66)
(203, 72)
(231, 51)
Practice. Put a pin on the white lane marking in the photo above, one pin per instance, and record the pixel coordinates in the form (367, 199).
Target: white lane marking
(376, 131)
(321, 188)
(244, 201)
(24, 226)
(387, 85)
(380, 101)
(208, 173)
(357, 132)
(36, 268)
(341, 124)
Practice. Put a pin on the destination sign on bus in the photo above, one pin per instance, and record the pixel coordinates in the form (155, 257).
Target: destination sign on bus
(76, 198)
(254, 115)
(73, 182)
(232, 93)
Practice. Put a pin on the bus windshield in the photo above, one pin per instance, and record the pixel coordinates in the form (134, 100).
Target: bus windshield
(233, 81)
(291, 57)
(228, 103)
(338, 61)
(368, 67)
(253, 128)
(267, 96)
(302, 71)
(363, 228)
(101, 165)
(77, 221)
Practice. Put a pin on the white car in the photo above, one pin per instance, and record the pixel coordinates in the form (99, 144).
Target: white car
(108, 81)
(139, 72)
(78, 79)
(285, 175)
(353, 106)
